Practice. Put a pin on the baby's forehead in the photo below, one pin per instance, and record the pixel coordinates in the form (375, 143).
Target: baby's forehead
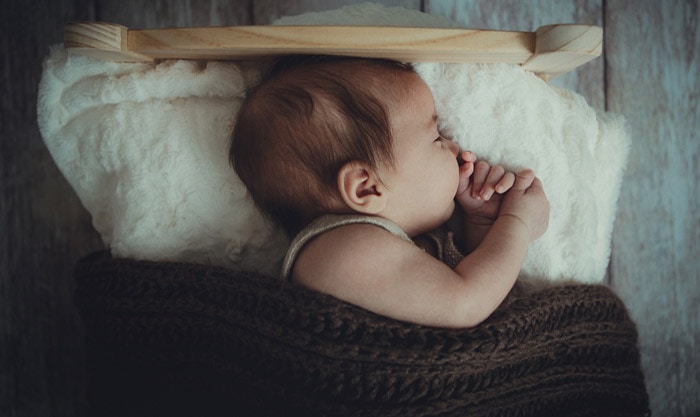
(412, 91)
(414, 110)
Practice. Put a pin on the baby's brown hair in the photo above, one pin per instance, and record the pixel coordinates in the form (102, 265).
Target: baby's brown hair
(307, 118)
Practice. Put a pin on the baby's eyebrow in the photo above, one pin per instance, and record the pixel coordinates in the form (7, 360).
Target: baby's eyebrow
(433, 120)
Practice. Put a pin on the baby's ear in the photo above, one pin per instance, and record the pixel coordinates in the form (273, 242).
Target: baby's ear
(360, 188)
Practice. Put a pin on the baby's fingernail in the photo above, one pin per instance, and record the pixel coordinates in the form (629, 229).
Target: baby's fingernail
(486, 195)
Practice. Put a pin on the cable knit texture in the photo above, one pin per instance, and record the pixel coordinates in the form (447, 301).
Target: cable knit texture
(186, 339)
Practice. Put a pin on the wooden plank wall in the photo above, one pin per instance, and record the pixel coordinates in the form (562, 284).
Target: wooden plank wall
(43, 230)
(649, 74)
(653, 64)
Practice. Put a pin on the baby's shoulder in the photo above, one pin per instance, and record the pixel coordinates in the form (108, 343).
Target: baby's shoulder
(349, 250)
(352, 240)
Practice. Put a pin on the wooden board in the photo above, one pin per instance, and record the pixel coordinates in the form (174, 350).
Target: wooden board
(175, 13)
(44, 230)
(549, 51)
(528, 15)
(649, 74)
(653, 66)
(268, 11)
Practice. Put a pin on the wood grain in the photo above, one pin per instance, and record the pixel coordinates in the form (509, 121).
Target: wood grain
(528, 15)
(267, 11)
(44, 230)
(653, 67)
(550, 51)
(561, 48)
(233, 42)
(174, 13)
(106, 41)
(649, 73)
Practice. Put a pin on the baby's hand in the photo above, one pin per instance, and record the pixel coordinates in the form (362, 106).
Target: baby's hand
(481, 187)
(527, 201)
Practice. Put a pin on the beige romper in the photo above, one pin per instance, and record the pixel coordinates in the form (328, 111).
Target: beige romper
(443, 239)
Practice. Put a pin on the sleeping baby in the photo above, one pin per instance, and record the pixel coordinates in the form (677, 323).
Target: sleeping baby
(345, 155)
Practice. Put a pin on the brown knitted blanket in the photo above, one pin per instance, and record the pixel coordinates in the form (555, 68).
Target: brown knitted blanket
(183, 339)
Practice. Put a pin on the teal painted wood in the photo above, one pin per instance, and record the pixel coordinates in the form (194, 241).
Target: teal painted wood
(137, 14)
(267, 11)
(588, 80)
(652, 70)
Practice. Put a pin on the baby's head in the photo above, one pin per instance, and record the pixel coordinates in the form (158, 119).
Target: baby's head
(308, 118)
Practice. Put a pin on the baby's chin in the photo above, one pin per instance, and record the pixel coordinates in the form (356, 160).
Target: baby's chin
(449, 215)
(439, 220)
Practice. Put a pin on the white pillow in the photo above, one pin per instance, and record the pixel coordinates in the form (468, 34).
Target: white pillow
(145, 147)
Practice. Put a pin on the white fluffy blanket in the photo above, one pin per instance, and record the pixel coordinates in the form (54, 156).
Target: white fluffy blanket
(145, 148)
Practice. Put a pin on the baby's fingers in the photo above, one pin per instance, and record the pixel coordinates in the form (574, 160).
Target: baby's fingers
(493, 179)
(465, 171)
(481, 173)
(467, 156)
(523, 180)
(505, 183)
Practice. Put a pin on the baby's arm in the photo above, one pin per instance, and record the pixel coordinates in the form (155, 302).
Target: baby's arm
(494, 264)
(369, 267)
